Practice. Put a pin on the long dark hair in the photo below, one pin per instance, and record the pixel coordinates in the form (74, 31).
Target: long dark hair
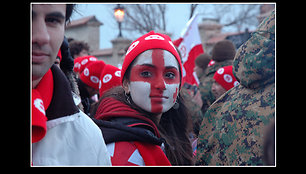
(175, 126)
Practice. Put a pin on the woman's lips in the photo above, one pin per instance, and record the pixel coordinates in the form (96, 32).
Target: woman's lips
(157, 96)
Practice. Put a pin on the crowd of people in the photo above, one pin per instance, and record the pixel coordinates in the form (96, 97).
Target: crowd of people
(89, 113)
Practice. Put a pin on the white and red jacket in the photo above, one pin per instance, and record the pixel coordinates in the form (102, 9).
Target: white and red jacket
(66, 136)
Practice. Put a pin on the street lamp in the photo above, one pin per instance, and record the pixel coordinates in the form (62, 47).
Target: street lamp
(119, 15)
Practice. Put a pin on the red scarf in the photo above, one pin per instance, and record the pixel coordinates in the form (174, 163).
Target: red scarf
(151, 154)
(41, 99)
(110, 107)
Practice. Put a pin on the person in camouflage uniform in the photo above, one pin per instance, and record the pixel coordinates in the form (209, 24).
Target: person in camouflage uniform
(223, 54)
(233, 127)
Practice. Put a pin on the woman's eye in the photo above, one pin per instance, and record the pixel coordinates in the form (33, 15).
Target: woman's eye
(146, 74)
(170, 75)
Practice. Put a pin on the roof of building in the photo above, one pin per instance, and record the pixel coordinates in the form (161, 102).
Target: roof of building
(84, 21)
(106, 52)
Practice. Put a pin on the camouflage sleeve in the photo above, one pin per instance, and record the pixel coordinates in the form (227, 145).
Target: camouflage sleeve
(232, 129)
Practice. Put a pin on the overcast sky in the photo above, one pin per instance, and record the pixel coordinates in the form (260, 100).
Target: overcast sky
(177, 17)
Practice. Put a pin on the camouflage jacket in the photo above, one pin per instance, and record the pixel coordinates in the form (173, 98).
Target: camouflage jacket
(206, 82)
(232, 129)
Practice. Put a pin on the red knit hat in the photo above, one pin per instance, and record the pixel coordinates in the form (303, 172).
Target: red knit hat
(91, 73)
(110, 77)
(80, 62)
(149, 41)
(212, 62)
(225, 77)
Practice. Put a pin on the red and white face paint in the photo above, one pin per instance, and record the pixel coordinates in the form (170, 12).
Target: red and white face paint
(154, 80)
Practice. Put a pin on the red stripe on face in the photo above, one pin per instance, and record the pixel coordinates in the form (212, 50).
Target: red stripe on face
(157, 74)
(158, 85)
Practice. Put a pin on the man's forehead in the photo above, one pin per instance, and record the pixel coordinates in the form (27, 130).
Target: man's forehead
(49, 8)
(146, 58)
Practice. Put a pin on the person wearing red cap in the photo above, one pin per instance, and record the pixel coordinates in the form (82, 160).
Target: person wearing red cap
(62, 135)
(145, 120)
(88, 82)
(81, 62)
(224, 81)
(110, 77)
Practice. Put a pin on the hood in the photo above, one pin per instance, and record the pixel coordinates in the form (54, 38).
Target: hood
(254, 63)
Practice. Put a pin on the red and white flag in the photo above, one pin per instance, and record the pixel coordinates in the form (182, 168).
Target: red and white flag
(190, 46)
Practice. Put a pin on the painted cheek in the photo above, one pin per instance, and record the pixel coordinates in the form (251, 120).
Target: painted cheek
(140, 94)
(175, 95)
(172, 92)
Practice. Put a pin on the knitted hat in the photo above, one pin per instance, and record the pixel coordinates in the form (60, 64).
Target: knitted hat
(225, 77)
(202, 60)
(110, 77)
(223, 50)
(80, 62)
(212, 62)
(149, 41)
(91, 73)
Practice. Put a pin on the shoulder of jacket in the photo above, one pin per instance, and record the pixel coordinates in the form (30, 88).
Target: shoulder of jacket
(79, 142)
(125, 153)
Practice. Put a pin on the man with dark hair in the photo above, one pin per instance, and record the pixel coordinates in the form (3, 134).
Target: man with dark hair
(61, 133)
(78, 48)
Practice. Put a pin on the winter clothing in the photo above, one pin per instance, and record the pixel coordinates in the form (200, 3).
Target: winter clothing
(223, 50)
(233, 127)
(206, 82)
(110, 77)
(222, 55)
(224, 76)
(91, 73)
(130, 134)
(192, 103)
(202, 61)
(80, 62)
(71, 138)
(66, 60)
(41, 99)
(85, 98)
(149, 41)
(212, 62)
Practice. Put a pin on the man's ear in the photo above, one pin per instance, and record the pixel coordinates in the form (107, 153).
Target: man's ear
(125, 85)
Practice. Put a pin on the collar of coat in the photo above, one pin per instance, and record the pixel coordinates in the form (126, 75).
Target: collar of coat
(62, 103)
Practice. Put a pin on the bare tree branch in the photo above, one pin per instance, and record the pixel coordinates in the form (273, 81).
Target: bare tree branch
(237, 15)
(145, 17)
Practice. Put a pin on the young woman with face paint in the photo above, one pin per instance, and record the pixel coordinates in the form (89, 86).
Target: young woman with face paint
(145, 121)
